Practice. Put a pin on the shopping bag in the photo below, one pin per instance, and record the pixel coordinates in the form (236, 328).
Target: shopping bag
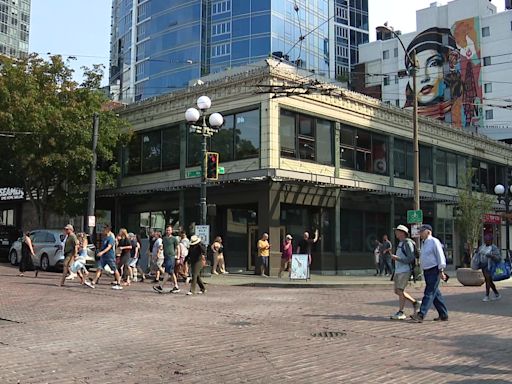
(501, 271)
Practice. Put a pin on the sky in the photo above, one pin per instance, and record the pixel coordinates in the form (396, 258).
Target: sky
(81, 28)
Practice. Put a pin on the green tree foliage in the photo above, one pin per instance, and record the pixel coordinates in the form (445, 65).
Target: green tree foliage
(471, 208)
(50, 117)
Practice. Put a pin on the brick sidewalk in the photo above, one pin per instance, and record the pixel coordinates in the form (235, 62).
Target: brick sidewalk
(244, 335)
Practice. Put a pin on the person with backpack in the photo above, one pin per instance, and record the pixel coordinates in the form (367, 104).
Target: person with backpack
(404, 258)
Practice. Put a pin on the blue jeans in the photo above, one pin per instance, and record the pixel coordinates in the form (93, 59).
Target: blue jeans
(432, 294)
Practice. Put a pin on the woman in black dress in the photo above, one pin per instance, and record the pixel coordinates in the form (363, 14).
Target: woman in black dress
(196, 255)
(27, 252)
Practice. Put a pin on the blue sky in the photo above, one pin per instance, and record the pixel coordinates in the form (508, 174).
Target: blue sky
(81, 28)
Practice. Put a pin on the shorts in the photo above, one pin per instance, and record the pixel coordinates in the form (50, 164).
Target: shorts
(132, 262)
(401, 280)
(77, 266)
(169, 263)
(264, 261)
(110, 261)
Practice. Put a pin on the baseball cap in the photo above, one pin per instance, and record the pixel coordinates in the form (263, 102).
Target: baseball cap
(424, 227)
(289, 237)
(69, 226)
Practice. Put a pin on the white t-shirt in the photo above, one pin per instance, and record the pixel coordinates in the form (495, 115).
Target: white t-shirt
(156, 247)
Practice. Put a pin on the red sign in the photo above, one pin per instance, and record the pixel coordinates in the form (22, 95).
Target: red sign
(491, 218)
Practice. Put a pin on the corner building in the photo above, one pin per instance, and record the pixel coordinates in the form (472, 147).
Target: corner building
(323, 158)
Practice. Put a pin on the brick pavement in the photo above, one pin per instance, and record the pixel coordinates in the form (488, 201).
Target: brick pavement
(244, 335)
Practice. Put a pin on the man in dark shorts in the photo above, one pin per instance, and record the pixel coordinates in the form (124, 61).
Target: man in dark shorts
(306, 244)
(70, 251)
(107, 256)
(170, 245)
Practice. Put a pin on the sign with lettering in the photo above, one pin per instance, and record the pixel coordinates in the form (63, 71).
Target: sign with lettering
(11, 194)
(203, 232)
(491, 218)
(299, 269)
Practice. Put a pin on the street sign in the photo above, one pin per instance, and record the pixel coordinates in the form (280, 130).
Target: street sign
(222, 171)
(415, 230)
(194, 173)
(203, 232)
(91, 221)
(414, 217)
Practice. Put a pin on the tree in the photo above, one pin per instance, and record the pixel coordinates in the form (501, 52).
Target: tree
(471, 209)
(50, 117)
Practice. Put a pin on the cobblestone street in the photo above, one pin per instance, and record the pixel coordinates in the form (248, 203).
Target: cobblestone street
(244, 334)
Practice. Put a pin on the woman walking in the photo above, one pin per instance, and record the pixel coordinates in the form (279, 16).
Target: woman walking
(488, 254)
(125, 246)
(218, 256)
(197, 257)
(27, 252)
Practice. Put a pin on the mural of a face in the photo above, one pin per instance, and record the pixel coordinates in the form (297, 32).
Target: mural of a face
(430, 77)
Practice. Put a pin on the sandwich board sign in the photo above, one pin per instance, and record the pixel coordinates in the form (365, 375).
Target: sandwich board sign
(299, 269)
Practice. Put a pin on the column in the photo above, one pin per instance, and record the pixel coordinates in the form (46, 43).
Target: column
(269, 221)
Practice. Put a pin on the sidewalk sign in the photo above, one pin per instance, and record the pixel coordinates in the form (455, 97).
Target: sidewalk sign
(203, 232)
(299, 269)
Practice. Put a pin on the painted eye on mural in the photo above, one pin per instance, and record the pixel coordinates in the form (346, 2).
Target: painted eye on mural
(434, 61)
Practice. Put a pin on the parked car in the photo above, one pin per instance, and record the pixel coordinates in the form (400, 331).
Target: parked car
(49, 250)
(8, 235)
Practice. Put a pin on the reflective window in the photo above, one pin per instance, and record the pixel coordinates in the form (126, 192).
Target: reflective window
(222, 142)
(133, 156)
(151, 151)
(425, 164)
(362, 150)
(247, 134)
(171, 148)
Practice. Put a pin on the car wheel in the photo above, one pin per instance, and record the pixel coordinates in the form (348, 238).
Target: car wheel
(13, 257)
(45, 263)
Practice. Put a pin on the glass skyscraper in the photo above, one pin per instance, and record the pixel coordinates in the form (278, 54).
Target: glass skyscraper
(14, 27)
(160, 45)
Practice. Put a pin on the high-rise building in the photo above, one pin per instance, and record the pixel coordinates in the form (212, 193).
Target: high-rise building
(463, 52)
(14, 27)
(160, 45)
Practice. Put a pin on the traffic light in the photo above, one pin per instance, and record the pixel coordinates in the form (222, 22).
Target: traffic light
(212, 165)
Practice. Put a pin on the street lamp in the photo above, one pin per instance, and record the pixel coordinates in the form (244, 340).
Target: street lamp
(411, 58)
(504, 194)
(215, 120)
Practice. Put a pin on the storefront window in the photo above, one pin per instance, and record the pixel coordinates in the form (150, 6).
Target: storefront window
(133, 156)
(425, 164)
(363, 151)
(194, 149)
(287, 133)
(171, 148)
(441, 167)
(222, 142)
(451, 169)
(151, 151)
(360, 229)
(247, 134)
(324, 129)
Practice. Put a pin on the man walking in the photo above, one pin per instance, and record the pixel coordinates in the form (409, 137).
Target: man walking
(107, 256)
(70, 251)
(385, 256)
(170, 245)
(263, 254)
(403, 259)
(433, 263)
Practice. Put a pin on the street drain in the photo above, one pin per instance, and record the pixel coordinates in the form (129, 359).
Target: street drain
(240, 323)
(328, 334)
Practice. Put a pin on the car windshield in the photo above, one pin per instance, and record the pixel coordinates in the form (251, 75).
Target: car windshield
(62, 237)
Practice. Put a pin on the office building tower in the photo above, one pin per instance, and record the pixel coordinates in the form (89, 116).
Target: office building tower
(14, 27)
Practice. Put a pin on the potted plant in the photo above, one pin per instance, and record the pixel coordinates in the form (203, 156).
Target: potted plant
(471, 208)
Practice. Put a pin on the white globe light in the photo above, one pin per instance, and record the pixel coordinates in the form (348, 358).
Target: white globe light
(499, 189)
(192, 115)
(204, 102)
(216, 120)
(510, 189)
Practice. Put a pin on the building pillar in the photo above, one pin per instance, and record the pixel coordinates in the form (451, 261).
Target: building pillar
(269, 221)
(391, 234)
(391, 161)
(337, 232)
(183, 170)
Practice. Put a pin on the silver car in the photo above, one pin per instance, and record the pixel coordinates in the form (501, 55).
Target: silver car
(48, 248)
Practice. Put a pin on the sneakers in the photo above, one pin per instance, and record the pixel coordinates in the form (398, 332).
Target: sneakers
(486, 298)
(398, 316)
(89, 284)
(174, 290)
(117, 287)
(417, 317)
(71, 276)
(225, 273)
(441, 318)
(158, 289)
(202, 291)
(189, 293)
(496, 297)
(215, 273)
(416, 305)
(187, 281)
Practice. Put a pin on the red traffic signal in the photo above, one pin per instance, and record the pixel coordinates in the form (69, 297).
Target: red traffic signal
(212, 165)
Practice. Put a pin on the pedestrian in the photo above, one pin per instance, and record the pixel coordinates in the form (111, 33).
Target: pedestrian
(184, 258)
(197, 257)
(487, 255)
(134, 268)
(124, 246)
(107, 256)
(170, 249)
(78, 266)
(263, 254)
(157, 256)
(286, 254)
(218, 256)
(27, 253)
(306, 245)
(376, 255)
(385, 256)
(70, 251)
(403, 258)
(433, 263)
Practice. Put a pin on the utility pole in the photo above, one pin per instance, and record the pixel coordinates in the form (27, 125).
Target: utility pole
(92, 182)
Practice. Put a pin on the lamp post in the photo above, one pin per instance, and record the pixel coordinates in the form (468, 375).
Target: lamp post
(411, 58)
(503, 194)
(206, 129)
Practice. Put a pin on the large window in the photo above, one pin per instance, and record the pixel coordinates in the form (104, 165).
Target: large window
(425, 164)
(305, 137)
(403, 158)
(363, 151)
(360, 229)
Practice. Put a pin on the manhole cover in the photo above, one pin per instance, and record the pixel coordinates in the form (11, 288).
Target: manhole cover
(240, 323)
(329, 334)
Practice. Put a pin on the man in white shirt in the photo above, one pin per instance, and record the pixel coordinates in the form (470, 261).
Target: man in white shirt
(433, 263)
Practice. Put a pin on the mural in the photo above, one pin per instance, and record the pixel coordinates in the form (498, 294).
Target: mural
(448, 79)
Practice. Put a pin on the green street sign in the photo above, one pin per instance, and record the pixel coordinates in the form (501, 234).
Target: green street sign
(222, 171)
(194, 173)
(414, 217)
